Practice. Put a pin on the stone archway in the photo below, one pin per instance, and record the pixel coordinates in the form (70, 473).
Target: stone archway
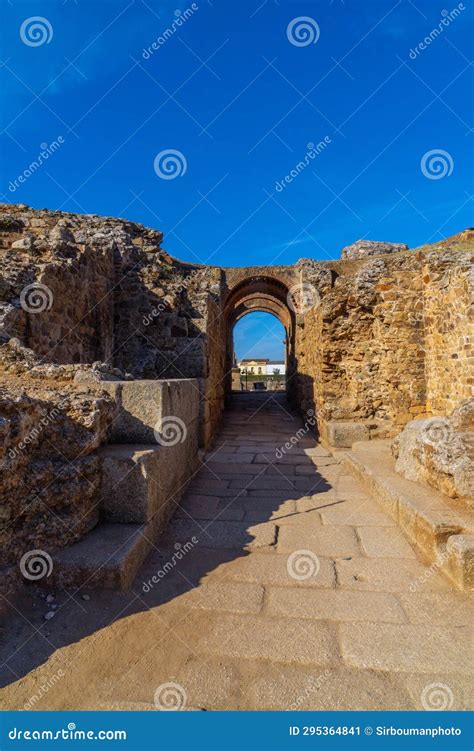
(264, 294)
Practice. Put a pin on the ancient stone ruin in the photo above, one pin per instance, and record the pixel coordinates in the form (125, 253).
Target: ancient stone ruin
(116, 364)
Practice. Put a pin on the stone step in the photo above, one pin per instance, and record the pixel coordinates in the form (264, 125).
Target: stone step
(107, 557)
(149, 411)
(130, 483)
(442, 534)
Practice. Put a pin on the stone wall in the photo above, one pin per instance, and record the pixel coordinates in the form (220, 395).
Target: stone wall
(390, 340)
(449, 330)
(386, 338)
(50, 468)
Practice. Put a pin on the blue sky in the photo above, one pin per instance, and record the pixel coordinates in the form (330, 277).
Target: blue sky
(259, 335)
(231, 91)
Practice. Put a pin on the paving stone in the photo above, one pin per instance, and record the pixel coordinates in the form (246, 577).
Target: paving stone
(264, 510)
(207, 486)
(335, 605)
(229, 459)
(440, 691)
(277, 495)
(439, 609)
(273, 569)
(355, 516)
(209, 507)
(263, 483)
(282, 469)
(244, 468)
(384, 542)
(406, 648)
(327, 541)
(284, 687)
(222, 534)
(210, 685)
(275, 458)
(283, 640)
(216, 488)
(227, 596)
(388, 575)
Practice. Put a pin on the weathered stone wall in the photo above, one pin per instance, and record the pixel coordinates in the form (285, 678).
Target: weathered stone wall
(390, 340)
(448, 298)
(50, 475)
(384, 337)
(213, 383)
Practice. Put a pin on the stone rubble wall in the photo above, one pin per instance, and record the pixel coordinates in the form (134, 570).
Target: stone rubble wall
(390, 341)
(50, 478)
(448, 299)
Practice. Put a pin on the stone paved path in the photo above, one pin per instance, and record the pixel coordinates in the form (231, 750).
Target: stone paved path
(279, 585)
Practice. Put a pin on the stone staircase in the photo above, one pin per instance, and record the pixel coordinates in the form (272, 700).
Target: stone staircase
(141, 483)
(436, 525)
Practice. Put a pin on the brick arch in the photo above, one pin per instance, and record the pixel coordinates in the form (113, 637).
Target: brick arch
(265, 294)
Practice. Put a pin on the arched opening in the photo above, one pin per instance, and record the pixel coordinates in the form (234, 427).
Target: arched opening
(262, 294)
(259, 352)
